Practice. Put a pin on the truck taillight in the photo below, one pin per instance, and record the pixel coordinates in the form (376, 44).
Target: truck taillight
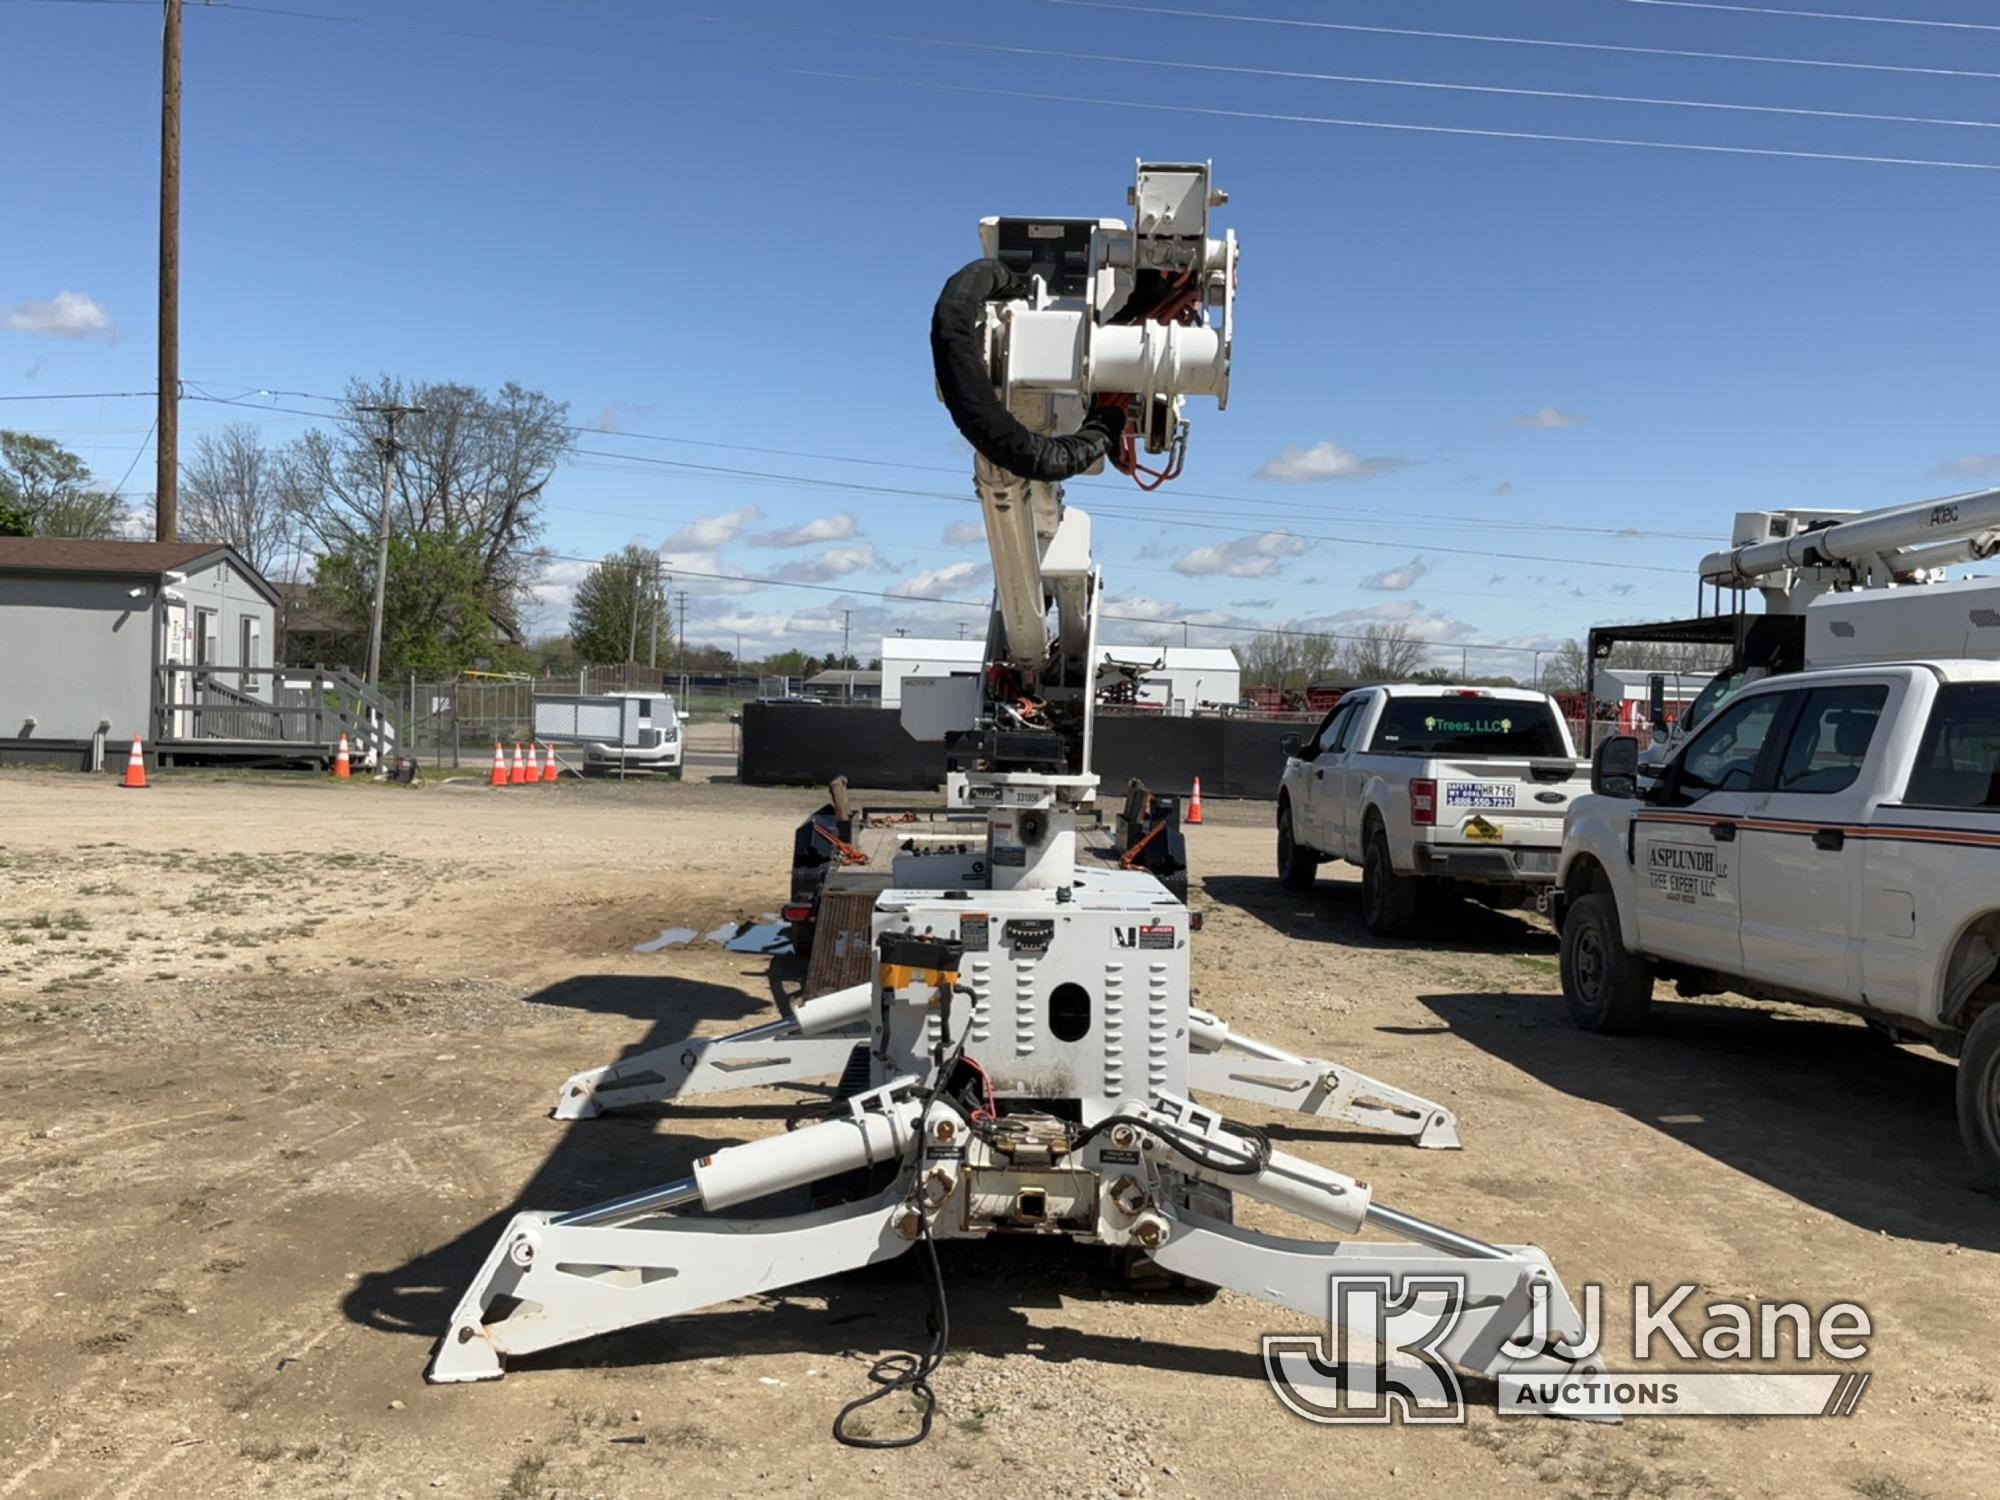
(797, 912)
(1424, 803)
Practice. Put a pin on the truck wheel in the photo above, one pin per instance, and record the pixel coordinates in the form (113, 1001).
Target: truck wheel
(1388, 900)
(1609, 988)
(1297, 869)
(1979, 1098)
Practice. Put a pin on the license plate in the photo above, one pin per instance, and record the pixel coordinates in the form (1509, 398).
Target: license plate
(1479, 831)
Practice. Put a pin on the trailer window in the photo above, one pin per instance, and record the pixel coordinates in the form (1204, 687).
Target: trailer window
(1450, 725)
(1958, 764)
(1831, 739)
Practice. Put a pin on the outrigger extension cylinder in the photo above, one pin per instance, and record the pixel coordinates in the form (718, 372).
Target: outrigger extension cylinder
(849, 1007)
(860, 1138)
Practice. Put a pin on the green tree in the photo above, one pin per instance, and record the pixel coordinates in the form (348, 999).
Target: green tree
(46, 490)
(618, 607)
(436, 620)
(468, 465)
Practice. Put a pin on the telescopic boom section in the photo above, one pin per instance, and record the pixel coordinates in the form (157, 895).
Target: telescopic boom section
(1071, 342)
(1888, 543)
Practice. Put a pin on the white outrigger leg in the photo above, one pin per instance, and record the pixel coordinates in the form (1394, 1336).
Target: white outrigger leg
(553, 1280)
(1221, 1061)
(821, 1035)
(815, 1042)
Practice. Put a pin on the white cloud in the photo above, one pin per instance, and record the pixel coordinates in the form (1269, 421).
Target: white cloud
(835, 562)
(960, 580)
(834, 528)
(1549, 418)
(1326, 461)
(617, 413)
(1972, 466)
(1395, 580)
(964, 534)
(1248, 557)
(1258, 604)
(1622, 590)
(712, 533)
(66, 315)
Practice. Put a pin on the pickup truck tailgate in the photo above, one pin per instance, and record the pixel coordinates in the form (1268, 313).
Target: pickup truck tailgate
(1505, 801)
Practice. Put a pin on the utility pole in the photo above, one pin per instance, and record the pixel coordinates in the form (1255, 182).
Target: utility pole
(166, 448)
(681, 651)
(847, 678)
(961, 630)
(653, 598)
(632, 617)
(389, 449)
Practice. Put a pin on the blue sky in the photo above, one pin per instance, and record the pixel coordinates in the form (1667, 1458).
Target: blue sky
(1473, 360)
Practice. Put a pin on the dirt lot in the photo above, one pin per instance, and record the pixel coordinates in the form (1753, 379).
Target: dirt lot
(276, 1061)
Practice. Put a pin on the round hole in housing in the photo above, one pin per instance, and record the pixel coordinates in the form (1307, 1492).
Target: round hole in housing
(1069, 1012)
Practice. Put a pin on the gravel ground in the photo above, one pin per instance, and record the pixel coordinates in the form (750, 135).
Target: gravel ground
(276, 1060)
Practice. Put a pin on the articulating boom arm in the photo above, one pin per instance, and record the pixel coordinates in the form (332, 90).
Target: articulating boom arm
(1069, 343)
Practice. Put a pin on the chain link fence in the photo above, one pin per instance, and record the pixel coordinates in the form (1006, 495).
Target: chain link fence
(455, 722)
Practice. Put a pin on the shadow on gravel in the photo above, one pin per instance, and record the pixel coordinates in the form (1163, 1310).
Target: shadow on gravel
(991, 1287)
(1331, 913)
(1825, 1110)
(592, 1159)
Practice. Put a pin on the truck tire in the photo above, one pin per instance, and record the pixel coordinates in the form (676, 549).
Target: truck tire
(1297, 868)
(1388, 900)
(1608, 987)
(1979, 1098)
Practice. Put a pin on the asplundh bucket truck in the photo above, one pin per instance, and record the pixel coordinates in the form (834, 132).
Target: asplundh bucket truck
(1026, 1046)
(1838, 587)
(1826, 831)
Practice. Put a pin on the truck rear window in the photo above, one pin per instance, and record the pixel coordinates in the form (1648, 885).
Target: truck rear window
(1502, 728)
(1958, 764)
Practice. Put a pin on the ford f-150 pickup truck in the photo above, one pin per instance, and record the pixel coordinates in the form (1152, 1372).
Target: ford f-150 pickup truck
(1829, 838)
(1461, 787)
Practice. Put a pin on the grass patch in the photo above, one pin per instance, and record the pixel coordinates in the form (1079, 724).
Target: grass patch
(1885, 1487)
(525, 1483)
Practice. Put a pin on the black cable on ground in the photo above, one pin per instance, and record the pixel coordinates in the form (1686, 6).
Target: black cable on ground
(906, 1372)
(912, 1372)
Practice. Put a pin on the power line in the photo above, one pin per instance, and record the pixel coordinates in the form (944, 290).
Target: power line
(1402, 83)
(150, 430)
(1113, 511)
(1401, 126)
(80, 395)
(1335, 122)
(1517, 41)
(1818, 15)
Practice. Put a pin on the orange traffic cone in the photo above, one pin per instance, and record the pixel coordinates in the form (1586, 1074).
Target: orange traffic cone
(519, 775)
(549, 770)
(499, 766)
(135, 765)
(342, 767)
(1194, 803)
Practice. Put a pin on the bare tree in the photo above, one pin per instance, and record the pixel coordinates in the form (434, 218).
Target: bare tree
(1568, 669)
(469, 466)
(1289, 659)
(229, 492)
(1384, 653)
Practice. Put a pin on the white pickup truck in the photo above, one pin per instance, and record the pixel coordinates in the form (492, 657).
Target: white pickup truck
(1458, 786)
(1829, 838)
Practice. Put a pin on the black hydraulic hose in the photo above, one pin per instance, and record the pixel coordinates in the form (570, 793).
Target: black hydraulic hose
(976, 408)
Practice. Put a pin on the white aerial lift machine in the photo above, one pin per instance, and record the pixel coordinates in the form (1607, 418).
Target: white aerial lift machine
(1022, 1060)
